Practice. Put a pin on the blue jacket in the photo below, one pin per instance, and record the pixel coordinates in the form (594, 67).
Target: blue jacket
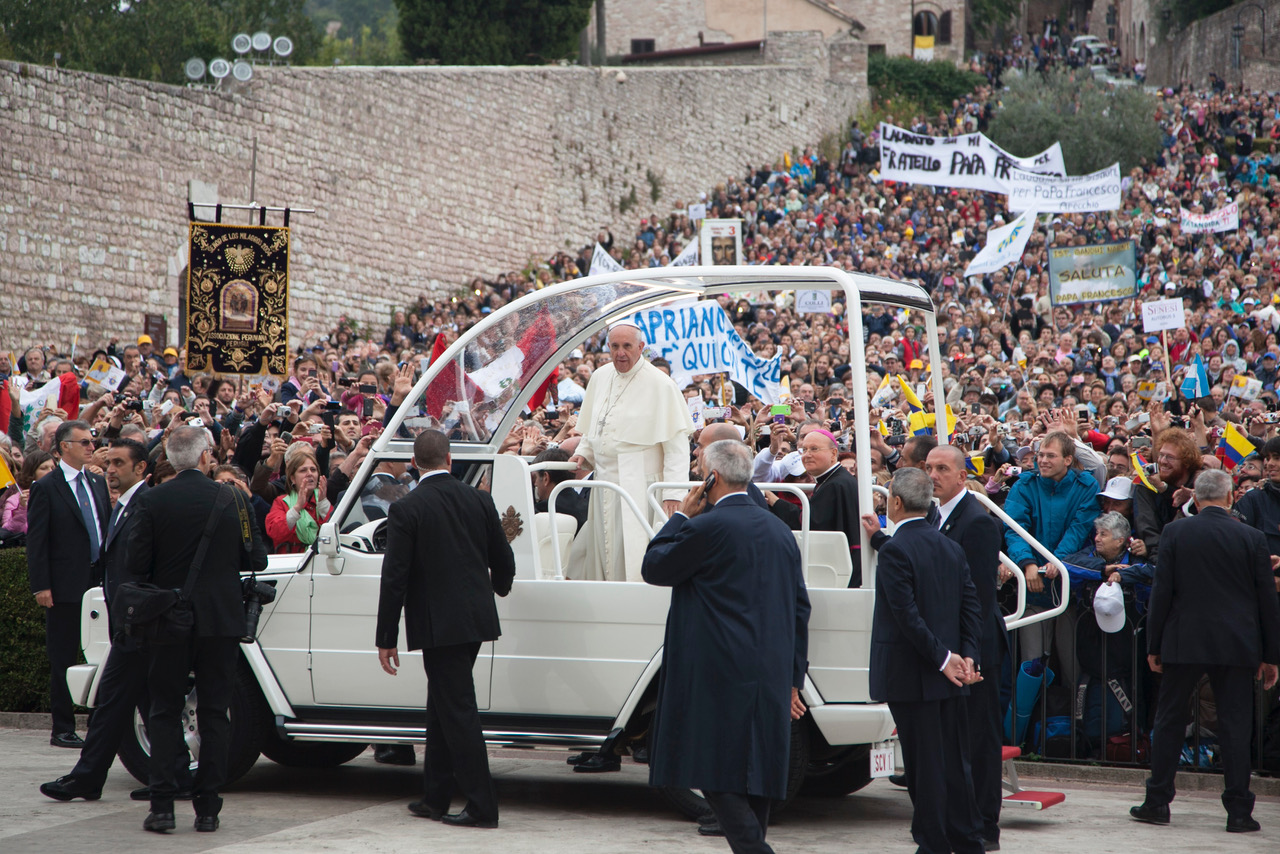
(1059, 514)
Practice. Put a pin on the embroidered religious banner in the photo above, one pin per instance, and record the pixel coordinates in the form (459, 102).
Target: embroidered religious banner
(238, 299)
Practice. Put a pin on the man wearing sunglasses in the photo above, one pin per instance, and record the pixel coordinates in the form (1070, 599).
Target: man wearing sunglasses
(66, 521)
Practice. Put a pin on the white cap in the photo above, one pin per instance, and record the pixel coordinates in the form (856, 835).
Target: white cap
(791, 464)
(576, 354)
(1108, 608)
(1119, 488)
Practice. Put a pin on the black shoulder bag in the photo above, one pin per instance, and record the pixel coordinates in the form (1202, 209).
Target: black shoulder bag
(159, 616)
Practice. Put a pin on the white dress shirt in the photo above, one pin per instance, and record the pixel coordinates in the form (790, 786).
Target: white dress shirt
(71, 474)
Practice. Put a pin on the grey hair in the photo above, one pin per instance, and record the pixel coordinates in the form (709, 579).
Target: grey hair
(1212, 486)
(37, 431)
(913, 487)
(1114, 523)
(730, 459)
(63, 433)
(184, 447)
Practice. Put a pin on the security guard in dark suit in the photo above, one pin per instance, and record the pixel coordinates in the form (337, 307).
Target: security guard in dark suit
(168, 526)
(1213, 611)
(446, 557)
(926, 634)
(66, 523)
(967, 523)
(124, 677)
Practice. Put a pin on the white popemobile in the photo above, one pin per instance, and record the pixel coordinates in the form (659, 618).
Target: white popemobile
(577, 664)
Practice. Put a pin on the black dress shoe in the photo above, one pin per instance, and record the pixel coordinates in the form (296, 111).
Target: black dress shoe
(424, 810)
(69, 788)
(207, 823)
(144, 794)
(66, 739)
(599, 763)
(710, 828)
(898, 780)
(466, 819)
(579, 758)
(641, 755)
(1151, 813)
(159, 822)
(990, 845)
(394, 754)
(1242, 824)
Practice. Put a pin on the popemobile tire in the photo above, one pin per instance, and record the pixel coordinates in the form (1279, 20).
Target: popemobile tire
(250, 725)
(841, 774)
(693, 805)
(309, 754)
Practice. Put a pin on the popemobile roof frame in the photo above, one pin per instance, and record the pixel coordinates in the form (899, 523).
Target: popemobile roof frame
(565, 315)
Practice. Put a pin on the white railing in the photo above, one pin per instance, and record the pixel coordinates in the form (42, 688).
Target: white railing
(797, 489)
(588, 484)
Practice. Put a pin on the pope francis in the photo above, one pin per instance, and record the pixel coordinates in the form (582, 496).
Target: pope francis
(636, 428)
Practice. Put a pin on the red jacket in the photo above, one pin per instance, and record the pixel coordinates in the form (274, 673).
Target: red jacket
(282, 536)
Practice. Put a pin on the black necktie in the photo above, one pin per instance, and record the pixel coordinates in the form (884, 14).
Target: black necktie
(115, 517)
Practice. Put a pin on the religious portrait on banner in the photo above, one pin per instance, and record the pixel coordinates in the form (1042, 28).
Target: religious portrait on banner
(238, 299)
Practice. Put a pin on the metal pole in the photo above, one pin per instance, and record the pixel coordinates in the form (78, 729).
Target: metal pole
(253, 174)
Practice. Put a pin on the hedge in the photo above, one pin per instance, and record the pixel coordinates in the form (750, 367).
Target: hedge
(24, 666)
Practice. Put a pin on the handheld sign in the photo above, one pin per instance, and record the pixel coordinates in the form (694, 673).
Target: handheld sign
(1162, 314)
(813, 302)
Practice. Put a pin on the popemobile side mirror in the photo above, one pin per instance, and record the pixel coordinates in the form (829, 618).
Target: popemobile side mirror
(327, 540)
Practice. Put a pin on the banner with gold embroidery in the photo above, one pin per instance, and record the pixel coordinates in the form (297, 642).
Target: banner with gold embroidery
(238, 299)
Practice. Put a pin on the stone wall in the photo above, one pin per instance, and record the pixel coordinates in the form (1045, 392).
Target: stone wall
(1208, 45)
(421, 177)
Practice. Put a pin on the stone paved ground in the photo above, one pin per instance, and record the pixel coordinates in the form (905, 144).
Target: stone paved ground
(361, 808)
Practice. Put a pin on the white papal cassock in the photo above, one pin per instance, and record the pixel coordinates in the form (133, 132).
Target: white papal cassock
(636, 429)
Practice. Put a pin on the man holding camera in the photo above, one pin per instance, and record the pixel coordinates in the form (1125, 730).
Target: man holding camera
(162, 550)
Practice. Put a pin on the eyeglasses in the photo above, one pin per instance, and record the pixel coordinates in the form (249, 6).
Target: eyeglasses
(84, 443)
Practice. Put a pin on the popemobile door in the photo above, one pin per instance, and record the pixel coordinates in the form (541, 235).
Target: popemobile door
(344, 614)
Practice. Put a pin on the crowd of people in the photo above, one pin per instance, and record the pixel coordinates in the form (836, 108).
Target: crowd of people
(1070, 416)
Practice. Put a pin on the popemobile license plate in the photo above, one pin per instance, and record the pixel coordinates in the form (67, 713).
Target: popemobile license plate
(881, 759)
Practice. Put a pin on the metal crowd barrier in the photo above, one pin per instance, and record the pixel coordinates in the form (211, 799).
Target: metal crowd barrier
(1130, 745)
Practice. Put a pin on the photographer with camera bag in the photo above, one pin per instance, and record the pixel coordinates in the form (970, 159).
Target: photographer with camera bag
(206, 569)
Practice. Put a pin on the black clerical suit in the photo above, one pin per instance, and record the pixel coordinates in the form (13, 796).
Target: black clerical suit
(446, 558)
(123, 686)
(168, 524)
(1213, 610)
(833, 507)
(63, 556)
(978, 533)
(926, 607)
(571, 502)
(736, 643)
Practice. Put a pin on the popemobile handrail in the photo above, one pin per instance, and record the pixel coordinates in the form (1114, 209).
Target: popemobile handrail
(589, 484)
(798, 489)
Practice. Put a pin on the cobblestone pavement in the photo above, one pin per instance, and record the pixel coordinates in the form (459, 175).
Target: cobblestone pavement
(360, 807)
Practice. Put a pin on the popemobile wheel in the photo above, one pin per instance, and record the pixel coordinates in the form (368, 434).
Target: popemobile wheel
(250, 724)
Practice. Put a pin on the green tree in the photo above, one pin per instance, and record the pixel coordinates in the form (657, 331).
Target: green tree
(986, 15)
(1097, 126)
(146, 39)
(491, 32)
(933, 85)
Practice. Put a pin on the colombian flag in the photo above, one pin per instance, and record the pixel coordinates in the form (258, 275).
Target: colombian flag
(922, 423)
(975, 464)
(1138, 462)
(910, 395)
(1233, 447)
